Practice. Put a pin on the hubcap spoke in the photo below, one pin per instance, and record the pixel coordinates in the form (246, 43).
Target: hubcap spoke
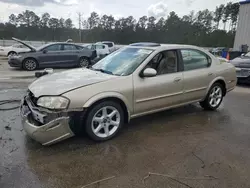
(211, 101)
(98, 128)
(114, 123)
(217, 91)
(112, 114)
(104, 112)
(106, 129)
(98, 119)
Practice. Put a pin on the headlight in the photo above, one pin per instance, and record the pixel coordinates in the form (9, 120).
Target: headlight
(51, 102)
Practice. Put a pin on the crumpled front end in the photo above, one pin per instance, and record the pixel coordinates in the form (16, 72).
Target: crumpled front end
(44, 126)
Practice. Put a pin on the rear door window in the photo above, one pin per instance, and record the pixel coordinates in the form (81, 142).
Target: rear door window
(195, 59)
(54, 47)
(69, 47)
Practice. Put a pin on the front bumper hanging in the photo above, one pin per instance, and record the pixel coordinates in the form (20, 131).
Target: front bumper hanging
(50, 132)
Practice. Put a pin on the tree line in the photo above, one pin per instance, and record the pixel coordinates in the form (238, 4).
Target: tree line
(203, 28)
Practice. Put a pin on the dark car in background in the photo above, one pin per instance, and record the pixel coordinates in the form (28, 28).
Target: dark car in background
(242, 65)
(53, 55)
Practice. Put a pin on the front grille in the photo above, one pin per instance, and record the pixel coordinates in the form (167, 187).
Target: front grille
(32, 97)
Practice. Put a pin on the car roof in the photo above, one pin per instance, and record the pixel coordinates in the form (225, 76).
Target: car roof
(147, 44)
(62, 43)
(107, 41)
(167, 47)
(52, 43)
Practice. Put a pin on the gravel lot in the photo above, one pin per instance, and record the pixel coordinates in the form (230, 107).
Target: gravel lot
(191, 147)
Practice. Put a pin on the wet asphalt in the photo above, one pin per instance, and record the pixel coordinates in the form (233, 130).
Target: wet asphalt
(186, 146)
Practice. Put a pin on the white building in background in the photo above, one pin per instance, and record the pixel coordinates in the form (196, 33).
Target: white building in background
(242, 36)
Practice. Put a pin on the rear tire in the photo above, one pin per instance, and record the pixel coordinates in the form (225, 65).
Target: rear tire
(30, 64)
(104, 121)
(213, 98)
(84, 62)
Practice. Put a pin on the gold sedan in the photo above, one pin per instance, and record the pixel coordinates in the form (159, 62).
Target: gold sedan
(136, 80)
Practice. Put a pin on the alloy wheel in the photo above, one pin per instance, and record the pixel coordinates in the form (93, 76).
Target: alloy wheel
(30, 64)
(215, 96)
(106, 121)
(84, 62)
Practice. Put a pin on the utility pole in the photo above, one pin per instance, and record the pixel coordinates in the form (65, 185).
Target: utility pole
(80, 22)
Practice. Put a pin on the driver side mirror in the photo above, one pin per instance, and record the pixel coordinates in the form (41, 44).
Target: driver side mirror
(45, 51)
(149, 72)
(242, 55)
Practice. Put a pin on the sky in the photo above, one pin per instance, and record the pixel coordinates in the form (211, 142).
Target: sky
(118, 8)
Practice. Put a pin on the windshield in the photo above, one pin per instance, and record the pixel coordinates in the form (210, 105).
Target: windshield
(123, 62)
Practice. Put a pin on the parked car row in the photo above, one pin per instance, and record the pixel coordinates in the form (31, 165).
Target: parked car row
(136, 80)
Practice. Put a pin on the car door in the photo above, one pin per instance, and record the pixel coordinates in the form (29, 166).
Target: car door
(69, 55)
(162, 91)
(50, 55)
(197, 74)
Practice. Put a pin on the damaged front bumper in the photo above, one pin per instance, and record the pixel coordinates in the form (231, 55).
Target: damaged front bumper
(48, 131)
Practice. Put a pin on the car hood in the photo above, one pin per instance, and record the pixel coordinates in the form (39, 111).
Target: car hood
(241, 62)
(59, 83)
(25, 44)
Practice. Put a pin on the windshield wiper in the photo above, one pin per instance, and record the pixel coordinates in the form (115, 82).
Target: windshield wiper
(103, 71)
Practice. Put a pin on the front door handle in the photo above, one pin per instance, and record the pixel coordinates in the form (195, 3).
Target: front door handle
(177, 79)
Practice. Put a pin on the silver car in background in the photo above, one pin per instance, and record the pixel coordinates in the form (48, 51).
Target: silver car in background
(137, 80)
(242, 65)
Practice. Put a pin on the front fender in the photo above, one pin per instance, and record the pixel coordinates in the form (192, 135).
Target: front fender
(104, 95)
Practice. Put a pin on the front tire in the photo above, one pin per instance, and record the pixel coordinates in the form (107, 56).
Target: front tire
(30, 64)
(213, 98)
(104, 121)
(84, 62)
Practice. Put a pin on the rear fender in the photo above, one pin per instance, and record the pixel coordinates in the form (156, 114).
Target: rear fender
(212, 82)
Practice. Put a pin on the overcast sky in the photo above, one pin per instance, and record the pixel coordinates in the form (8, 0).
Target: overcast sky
(136, 8)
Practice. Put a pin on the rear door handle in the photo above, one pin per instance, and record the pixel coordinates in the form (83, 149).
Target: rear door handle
(210, 74)
(177, 79)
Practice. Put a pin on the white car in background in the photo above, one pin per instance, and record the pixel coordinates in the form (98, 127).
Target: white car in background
(101, 49)
(13, 50)
(111, 45)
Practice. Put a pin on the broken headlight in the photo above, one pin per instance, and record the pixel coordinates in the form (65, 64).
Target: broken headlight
(53, 102)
